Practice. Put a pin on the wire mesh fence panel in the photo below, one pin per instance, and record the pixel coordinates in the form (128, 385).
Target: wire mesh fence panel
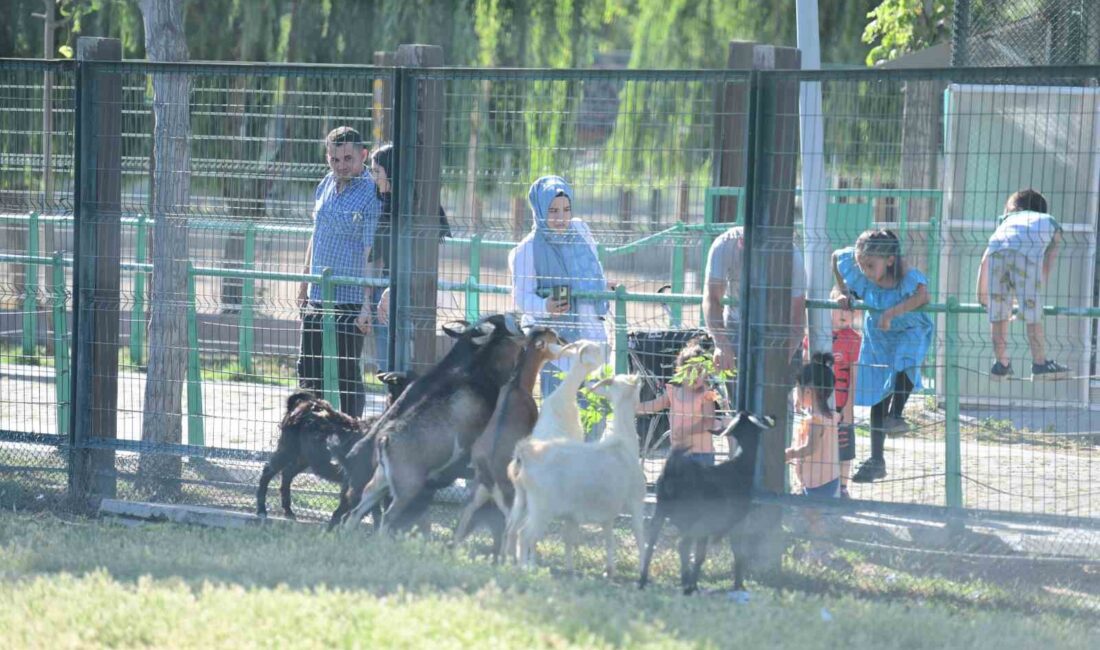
(217, 192)
(618, 259)
(701, 203)
(1027, 32)
(937, 411)
(36, 164)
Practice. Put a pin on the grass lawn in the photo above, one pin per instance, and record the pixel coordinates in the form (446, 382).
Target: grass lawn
(80, 583)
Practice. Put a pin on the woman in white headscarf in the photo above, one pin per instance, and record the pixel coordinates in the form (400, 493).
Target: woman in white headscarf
(555, 263)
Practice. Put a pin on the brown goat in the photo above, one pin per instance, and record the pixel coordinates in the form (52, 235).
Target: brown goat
(513, 419)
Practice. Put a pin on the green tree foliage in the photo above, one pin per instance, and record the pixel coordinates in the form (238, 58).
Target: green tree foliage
(898, 27)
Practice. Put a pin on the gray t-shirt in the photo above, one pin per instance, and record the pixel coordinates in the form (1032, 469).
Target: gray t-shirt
(1028, 233)
(724, 263)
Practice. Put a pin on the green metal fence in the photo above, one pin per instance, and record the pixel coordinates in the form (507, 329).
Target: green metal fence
(648, 153)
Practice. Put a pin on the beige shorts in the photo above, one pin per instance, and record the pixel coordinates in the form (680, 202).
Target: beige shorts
(1011, 275)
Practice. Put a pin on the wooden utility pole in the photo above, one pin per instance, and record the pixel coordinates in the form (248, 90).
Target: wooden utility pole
(97, 270)
(422, 226)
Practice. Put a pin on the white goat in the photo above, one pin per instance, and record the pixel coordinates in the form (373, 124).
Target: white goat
(559, 416)
(582, 483)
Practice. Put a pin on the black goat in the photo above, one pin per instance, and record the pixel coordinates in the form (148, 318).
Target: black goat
(707, 502)
(427, 434)
(311, 434)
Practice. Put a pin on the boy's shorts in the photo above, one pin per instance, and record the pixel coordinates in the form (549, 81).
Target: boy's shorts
(846, 434)
(1013, 275)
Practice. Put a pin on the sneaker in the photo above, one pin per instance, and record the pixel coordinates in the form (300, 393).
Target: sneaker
(844, 493)
(1000, 371)
(895, 426)
(872, 469)
(1049, 370)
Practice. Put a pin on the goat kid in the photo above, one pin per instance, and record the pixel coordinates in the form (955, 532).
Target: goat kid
(708, 502)
(581, 482)
(423, 440)
(513, 419)
(311, 433)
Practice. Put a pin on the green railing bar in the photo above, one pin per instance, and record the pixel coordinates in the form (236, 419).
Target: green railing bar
(28, 259)
(621, 356)
(196, 434)
(952, 437)
(473, 296)
(656, 237)
(60, 345)
(137, 311)
(491, 244)
(248, 300)
(30, 290)
(329, 349)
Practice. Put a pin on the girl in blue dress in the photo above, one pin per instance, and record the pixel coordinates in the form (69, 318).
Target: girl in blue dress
(895, 337)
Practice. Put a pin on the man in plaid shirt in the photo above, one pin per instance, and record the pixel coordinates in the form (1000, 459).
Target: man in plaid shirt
(345, 214)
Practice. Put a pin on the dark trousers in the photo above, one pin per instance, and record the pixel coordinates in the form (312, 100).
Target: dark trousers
(893, 404)
(349, 344)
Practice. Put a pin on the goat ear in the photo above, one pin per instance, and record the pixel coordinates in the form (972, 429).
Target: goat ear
(603, 383)
(486, 330)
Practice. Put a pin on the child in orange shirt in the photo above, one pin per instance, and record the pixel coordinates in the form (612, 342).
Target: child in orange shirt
(815, 450)
(690, 403)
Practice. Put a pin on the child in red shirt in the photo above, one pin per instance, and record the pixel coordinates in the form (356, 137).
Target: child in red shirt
(846, 342)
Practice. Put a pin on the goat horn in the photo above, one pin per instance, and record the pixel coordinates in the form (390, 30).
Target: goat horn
(511, 323)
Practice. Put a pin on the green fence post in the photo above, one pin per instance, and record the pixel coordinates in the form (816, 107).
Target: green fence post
(933, 258)
(330, 378)
(137, 311)
(473, 298)
(621, 356)
(952, 438)
(195, 433)
(676, 310)
(60, 344)
(248, 300)
(30, 289)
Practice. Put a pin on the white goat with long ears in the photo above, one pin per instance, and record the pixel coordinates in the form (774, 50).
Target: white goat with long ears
(582, 483)
(559, 416)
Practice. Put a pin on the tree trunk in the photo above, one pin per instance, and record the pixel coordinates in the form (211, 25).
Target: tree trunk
(164, 41)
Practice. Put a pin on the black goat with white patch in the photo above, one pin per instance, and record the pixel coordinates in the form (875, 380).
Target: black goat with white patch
(707, 502)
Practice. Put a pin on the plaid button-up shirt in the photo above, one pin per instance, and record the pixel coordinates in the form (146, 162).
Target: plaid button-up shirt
(344, 222)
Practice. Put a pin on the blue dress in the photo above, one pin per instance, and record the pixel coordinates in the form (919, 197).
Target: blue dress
(883, 354)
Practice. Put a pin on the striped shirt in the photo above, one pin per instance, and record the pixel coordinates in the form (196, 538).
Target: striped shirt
(344, 222)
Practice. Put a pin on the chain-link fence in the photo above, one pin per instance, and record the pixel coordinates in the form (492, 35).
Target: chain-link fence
(186, 322)
(1026, 32)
